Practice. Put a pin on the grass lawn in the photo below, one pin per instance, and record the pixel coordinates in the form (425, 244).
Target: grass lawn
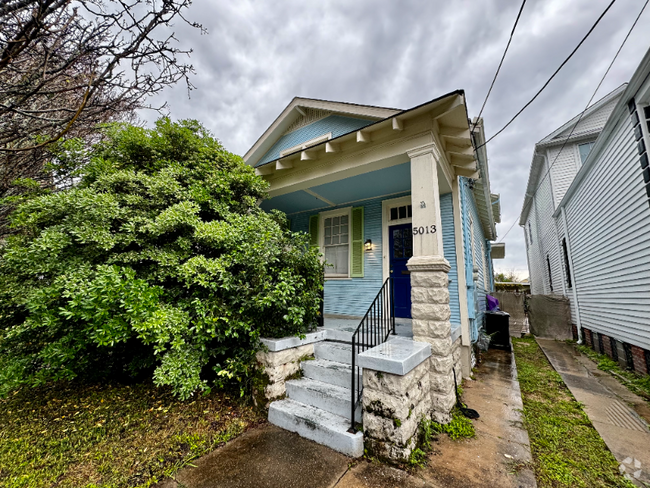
(567, 450)
(112, 436)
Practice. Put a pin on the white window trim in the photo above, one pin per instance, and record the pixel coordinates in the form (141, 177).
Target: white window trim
(321, 239)
(386, 205)
(305, 145)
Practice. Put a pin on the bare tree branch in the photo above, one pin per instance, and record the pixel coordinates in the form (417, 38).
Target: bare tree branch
(68, 65)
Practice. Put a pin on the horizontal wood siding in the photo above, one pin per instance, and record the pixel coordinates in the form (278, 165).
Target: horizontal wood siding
(534, 253)
(564, 166)
(336, 124)
(548, 240)
(449, 246)
(354, 296)
(609, 225)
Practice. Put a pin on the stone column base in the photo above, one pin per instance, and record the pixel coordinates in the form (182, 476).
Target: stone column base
(430, 312)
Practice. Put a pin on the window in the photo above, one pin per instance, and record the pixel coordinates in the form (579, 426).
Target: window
(403, 212)
(584, 150)
(336, 243)
(566, 262)
(646, 114)
(550, 275)
(530, 233)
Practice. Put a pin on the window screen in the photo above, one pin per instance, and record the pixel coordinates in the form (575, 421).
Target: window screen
(584, 150)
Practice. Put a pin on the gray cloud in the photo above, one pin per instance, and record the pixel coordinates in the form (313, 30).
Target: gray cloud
(259, 55)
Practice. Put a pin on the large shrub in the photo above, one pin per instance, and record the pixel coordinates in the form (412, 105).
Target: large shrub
(157, 260)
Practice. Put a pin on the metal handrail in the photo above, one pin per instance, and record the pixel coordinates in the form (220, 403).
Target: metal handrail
(374, 329)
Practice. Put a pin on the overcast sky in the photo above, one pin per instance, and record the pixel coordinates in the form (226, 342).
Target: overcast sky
(258, 55)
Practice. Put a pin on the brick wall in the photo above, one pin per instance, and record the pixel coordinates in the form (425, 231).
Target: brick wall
(640, 365)
(607, 345)
(574, 330)
(588, 338)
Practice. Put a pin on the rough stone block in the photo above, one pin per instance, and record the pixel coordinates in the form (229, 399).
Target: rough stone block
(431, 311)
(395, 384)
(431, 329)
(441, 347)
(393, 407)
(275, 390)
(429, 295)
(396, 430)
(272, 359)
(429, 279)
(440, 365)
(390, 452)
(279, 373)
(442, 383)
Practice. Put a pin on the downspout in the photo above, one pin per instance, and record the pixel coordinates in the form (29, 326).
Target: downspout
(575, 284)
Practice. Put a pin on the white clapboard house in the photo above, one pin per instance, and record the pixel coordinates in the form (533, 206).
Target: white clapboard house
(586, 220)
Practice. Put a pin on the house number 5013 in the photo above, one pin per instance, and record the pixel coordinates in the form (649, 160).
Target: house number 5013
(429, 229)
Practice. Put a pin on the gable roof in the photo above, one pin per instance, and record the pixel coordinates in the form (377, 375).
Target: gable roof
(305, 108)
(558, 137)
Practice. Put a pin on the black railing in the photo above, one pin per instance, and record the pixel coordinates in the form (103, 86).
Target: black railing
(375, 327)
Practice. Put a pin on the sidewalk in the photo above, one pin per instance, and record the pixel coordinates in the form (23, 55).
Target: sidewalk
(607, 403)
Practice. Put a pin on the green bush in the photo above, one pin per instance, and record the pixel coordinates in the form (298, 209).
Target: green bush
(158, 261)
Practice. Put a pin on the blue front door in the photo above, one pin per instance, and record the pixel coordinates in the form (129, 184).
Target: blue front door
(401, 249)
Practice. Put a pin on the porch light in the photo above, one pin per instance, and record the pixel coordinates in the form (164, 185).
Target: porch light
(368, 245)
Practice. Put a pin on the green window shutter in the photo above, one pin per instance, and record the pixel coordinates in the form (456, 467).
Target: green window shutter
(313, 231)
(356, 256)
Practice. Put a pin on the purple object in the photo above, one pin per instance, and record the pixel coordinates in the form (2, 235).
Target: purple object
(492, 303)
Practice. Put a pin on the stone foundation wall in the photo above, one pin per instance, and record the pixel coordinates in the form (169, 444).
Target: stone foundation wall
(393, 406)
(276, 366)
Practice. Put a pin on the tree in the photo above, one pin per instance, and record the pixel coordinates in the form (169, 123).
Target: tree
(158, 261)
(68, 65)
(507, 277)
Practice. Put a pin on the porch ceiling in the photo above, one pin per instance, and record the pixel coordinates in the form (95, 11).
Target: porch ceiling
(382, 182)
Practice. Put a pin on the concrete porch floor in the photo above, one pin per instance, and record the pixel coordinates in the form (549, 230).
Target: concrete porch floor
(342, 328)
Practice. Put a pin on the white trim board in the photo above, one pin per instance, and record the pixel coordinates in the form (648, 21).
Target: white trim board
(386, 205)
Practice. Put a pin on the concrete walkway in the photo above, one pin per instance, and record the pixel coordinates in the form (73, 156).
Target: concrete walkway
(616, 413)
(499, 455)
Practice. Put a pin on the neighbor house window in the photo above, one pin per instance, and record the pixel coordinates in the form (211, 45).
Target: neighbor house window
(336, 243)
(530, 233)
(584, 150)
(566, 262)
(550, 275)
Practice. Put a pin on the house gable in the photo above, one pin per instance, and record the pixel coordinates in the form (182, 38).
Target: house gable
(312, 127)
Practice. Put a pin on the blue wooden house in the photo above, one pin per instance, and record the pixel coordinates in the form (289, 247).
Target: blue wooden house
(345, 173)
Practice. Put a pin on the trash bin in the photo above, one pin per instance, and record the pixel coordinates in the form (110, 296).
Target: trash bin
(497, 326)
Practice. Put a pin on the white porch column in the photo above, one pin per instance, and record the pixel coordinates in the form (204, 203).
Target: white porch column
(429, 282)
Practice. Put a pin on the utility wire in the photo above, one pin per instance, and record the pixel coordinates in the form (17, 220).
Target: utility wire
(582, 114)
(552, 76)
(521, 9)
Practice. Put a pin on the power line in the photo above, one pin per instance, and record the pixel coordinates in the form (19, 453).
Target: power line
(521, 9)
(629, 32)
(552, 76)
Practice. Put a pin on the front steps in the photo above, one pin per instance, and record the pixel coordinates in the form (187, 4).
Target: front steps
(318, 405)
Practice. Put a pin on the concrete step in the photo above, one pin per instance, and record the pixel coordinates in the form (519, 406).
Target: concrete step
(317, 425)
(331, 372)
(331, 398)
(332, 351)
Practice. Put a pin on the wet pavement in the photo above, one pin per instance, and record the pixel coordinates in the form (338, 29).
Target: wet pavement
(268, 456)
(500, 455)
(620, 417)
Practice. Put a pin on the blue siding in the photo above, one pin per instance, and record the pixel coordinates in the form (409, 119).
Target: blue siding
(336, 124)
(354, 296)
(477, 243)
(449, 247)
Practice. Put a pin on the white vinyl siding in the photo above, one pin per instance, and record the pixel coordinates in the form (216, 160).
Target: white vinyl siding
(564, 167)
(608, 221)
